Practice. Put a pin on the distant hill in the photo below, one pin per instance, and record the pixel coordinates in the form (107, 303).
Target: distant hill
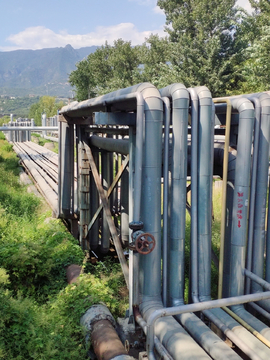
(39, 72)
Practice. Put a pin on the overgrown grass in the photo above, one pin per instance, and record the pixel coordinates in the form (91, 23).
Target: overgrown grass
(39, 312)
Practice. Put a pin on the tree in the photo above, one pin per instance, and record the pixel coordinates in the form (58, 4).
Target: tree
(46, 105)
(256, 68)
(107, 69)
(206, 47)
(156, 67)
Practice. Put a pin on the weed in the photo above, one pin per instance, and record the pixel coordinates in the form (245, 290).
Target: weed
(39, 312)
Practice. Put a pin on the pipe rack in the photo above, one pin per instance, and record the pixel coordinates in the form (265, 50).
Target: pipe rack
(129, 146)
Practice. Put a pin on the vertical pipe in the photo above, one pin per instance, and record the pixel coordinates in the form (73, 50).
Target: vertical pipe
(67, 168)
(241, 196)
(133, 260)
(194, 193)
(267, 264)
(43, 123)
(105, 173)
(205, 175)
(60, 157)
(214, 315)
(224, 191)
(261, 193)
(167, 120)
(178, 191)
(124, 206)
(257, 105)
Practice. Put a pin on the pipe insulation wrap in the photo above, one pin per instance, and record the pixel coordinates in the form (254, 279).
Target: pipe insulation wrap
(100, 327)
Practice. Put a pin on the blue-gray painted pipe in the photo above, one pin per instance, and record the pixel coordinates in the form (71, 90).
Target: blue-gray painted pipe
(167, 121)
(211, 343)
(195, 284)
(194, 193)
(240, 209)
(66, 183)
(240, 206)
(257, 106)
(124, 189)
(202, 306)
(261, 194)
(170, 333)
(180, 104)
(133, 260)
(205, 175)
(267, 265)
(241, 194)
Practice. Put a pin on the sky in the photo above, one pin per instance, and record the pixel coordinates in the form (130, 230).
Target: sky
(38, 24)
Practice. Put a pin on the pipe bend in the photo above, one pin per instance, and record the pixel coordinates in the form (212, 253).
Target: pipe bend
(204, 95)
(175, 91)
(264, 99)
(242, 104)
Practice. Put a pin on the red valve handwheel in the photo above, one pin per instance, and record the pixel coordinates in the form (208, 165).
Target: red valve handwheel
(143, 245)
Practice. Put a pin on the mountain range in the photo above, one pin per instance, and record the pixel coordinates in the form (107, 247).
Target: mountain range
(39, 72)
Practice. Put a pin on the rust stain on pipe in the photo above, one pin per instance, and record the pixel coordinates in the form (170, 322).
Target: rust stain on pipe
(73, 272)
(105, 341)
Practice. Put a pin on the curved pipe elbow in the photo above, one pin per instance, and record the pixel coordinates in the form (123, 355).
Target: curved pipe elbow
(243, 105)
(264, 99)
(176, 91)
(204, 95)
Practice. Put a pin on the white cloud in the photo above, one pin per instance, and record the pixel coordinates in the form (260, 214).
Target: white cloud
(244, 4)
(158, 10)
(144, 2)
(40, 37)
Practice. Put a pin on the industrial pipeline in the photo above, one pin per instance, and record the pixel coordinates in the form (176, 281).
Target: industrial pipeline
(124, 161)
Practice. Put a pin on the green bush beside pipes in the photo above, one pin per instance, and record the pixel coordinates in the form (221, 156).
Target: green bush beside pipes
(39, 313)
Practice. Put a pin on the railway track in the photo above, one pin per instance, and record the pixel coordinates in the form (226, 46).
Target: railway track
(41, 165)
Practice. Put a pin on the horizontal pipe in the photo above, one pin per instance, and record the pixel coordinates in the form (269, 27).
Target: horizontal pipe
(28, 128)
(236, 334)
(99, 324)
(247, 326)
(159, 347)
(205, 305)
(257, 279)
(109, 144)
(260, 310)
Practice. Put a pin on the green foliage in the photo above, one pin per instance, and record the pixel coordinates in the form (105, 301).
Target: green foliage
(206, 46)
(39, 312)
(18, 106)
(107, 69)
(51, 331)
(4, 120)
(206, 49)
(256, 68)
(155, 55)
(47, 105)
